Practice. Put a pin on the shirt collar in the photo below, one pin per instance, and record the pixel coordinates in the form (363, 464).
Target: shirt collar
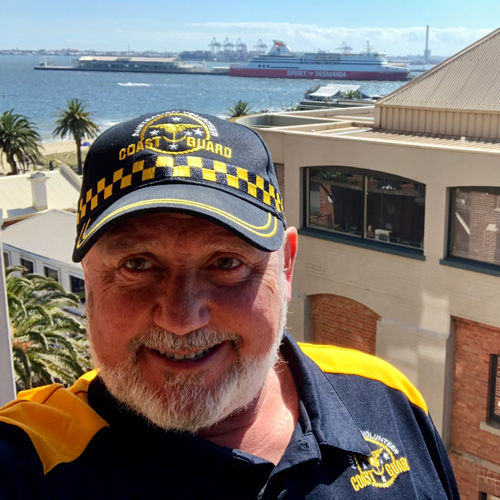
(328, 417)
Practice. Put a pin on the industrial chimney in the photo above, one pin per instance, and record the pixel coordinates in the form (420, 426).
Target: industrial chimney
(427, 53)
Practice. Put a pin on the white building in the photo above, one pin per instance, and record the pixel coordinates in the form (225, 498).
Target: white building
(24, 195)
(43, 243)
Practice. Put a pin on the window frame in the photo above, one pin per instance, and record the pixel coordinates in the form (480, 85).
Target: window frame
(82, 297)
(356, 240)
(23, 258)
(7, 258)
(58, 272)
(494, 364)
(464, 262)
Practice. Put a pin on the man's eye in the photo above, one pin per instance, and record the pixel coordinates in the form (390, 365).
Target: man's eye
(138, 264)
(227, 263)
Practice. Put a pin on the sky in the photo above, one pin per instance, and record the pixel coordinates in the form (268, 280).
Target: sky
(394, 26)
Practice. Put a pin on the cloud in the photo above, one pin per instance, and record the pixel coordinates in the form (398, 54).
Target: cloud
(445, 41)
(300, 37)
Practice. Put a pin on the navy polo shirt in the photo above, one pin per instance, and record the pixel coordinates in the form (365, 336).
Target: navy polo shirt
(363, 432)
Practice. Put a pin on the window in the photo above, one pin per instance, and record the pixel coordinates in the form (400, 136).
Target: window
(475, 224)
(51, 273)
(6, 259)
(28, 264)
(78, 287)
(494, 406)
(367, 205)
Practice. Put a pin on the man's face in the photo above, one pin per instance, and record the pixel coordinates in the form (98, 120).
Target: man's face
(185, 318)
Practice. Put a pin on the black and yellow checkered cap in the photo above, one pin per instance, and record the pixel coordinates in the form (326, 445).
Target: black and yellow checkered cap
(180, 161)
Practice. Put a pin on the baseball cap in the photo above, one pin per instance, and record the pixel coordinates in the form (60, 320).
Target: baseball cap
(181, 161)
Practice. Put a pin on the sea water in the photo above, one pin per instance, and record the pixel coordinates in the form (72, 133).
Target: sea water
(114, 97)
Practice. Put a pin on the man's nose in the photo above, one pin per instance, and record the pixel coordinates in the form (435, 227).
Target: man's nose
(182, 305)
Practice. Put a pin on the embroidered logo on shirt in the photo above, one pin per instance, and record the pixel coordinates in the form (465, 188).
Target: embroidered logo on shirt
(381, 468)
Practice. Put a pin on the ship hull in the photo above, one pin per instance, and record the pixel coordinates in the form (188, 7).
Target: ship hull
(320, 74)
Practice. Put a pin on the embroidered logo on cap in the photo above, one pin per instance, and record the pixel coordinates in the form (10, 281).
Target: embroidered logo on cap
(381, 468)
(176, 133)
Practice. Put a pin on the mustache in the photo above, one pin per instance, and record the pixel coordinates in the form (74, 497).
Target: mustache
(163, 340)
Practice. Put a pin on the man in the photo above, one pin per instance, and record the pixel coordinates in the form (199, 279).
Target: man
(199, 394)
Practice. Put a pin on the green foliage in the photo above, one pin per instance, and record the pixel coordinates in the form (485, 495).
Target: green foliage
(48, 344)
(352, 94)
(75, 121)
(19, 141)
(239, 108)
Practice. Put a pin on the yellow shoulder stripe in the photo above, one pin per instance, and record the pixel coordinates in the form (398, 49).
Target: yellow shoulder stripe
(59, 421)
(332, 359)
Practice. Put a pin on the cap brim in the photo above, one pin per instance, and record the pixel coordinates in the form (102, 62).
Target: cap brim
(258, 227)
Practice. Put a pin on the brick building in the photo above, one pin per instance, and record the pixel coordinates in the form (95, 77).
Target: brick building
(474, 441)
(398, 211)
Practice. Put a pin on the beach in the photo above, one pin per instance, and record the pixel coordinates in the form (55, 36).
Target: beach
(54, 147)
(59, 152)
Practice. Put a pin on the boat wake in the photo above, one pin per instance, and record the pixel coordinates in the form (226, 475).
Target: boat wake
(132, 84)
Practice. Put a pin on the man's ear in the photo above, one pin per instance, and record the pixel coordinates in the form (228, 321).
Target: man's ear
(290, 253)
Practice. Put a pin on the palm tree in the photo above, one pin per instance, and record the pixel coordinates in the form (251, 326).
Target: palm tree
(48, 343)
(75, 121)
(19, 141)
(239, 108)
(352, 94)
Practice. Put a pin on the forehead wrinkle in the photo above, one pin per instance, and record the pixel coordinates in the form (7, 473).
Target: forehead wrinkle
(206, 240)
(188, 233)
(127, 241)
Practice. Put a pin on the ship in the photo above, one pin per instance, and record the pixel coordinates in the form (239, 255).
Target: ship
(281, 62)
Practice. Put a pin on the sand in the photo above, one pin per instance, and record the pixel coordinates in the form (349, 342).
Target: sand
(59, 147)
(63, 148)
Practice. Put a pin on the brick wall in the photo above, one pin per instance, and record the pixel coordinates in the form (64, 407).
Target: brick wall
(475, 453)
(343, 322)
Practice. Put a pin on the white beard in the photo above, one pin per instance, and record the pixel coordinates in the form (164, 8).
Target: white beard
(185, 403)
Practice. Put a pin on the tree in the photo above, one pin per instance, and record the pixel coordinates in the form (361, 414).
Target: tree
(352, 94)
(240, 108)
(19, 141)
(48, 343)
(75, 121)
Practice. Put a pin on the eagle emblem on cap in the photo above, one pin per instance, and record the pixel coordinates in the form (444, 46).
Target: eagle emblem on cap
(174, 131)
(175, 128)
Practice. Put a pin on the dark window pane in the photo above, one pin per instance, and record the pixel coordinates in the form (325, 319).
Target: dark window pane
(475, 224)
(375, 206)
(6, 259)
(28, 264)
(335, 201)
(395, 211)
(78, 287)
(51, 273)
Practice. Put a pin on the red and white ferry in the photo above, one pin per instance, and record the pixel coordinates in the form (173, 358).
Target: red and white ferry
(281, 62)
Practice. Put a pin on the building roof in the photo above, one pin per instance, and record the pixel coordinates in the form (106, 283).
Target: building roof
(425, 140)
(126, 59)
(331, 90)
(467, 81)
(50, 235)
(63, 189)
